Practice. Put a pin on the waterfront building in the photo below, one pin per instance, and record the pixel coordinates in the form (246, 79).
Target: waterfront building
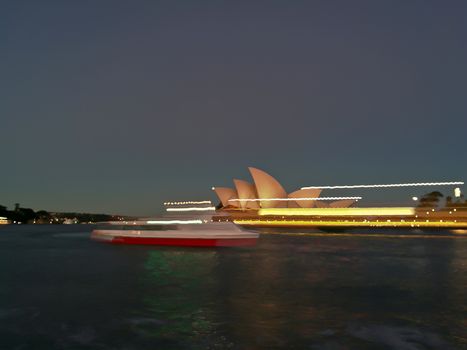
(267, 192)
(264, 203)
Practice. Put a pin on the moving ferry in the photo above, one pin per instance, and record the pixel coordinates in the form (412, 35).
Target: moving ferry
(198, 231)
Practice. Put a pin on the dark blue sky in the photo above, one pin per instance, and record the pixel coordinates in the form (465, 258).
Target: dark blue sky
(117, 106)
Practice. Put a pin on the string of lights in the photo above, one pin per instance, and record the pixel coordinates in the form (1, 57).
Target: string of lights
(292, 199)
(173, 222)
(192, 209)
(385, 185)
(187, 202)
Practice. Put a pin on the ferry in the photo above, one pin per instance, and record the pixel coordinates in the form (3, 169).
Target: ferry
(199, 231)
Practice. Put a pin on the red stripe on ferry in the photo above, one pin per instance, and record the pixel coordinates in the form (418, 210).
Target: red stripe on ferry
(185, 242)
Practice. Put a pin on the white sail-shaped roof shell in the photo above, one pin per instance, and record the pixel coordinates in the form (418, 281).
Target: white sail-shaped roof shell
(268, 187)
(305, 193)
(321, 204)
(336, 204)
(225, 194)
(246, 190)
(342, 203)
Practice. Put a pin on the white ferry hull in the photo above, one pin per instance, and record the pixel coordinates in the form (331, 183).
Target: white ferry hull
(181, 238)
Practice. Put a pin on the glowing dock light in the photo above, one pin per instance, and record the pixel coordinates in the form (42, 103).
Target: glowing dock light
(383, 211)
(385, 185)
(192, 209)
(292, 199)
(173, 222)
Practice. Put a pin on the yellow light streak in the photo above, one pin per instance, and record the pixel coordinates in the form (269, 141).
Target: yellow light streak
(382, 211)
(336, 223)
(460, 232)
(386, 185)
(192, 209)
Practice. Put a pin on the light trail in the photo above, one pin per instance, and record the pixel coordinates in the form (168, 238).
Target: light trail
(293, 199)
(382, 211)
(187, 202)
(173, 222)
(340, 223)
(192, 209)
(385, 185)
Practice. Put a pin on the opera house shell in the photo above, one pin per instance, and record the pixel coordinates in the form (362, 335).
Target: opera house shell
(267, 192)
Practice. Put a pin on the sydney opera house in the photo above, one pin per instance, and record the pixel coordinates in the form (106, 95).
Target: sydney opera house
(265, 203)
(267, 192)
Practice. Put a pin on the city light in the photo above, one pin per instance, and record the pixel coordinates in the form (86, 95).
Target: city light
(385, 185)
(457, 192)
(173, 222)
(292, 199)
(192, 209)
(187, 202)
(383, 211)
(347, 223)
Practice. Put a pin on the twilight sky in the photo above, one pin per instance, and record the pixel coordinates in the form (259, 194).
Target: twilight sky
(117, 106)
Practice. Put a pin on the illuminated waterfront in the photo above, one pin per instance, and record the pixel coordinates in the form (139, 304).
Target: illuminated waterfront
(60, 290)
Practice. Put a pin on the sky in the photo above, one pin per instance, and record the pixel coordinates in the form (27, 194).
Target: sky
(118, 106)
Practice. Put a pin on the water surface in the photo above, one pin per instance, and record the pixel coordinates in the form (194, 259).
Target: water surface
(59, 290)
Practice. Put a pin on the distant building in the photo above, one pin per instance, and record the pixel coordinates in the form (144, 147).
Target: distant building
(69, 221)
(267, 192)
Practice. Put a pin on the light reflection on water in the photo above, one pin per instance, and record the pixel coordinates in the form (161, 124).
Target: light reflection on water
(324, 292)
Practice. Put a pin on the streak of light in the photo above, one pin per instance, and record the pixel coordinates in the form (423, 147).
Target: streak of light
(192, 209)
(292, 199)
(187, 202)
(388, 211)
(173, 222)
(338, 223)
(386, 185)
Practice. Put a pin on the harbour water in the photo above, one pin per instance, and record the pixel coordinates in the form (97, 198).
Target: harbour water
(59, 290)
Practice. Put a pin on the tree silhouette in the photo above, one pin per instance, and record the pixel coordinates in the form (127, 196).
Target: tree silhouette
(430, 199)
